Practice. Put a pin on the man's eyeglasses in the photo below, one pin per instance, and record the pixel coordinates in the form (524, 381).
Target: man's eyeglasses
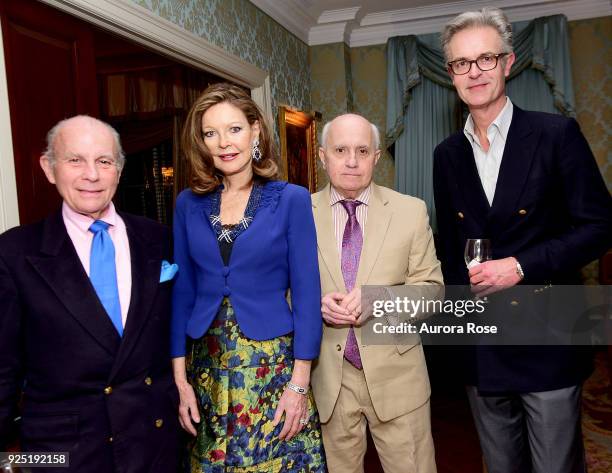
(485, 62)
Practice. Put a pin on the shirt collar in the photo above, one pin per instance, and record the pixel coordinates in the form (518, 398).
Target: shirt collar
(501, 122)
(83, 222)
(364, 197)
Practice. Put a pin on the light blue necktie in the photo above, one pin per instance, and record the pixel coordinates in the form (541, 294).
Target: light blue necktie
(103, 274)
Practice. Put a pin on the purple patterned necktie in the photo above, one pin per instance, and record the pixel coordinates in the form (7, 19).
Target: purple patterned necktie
(352, 241)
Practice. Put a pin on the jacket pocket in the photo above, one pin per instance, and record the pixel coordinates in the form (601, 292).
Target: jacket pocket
(55, 427)
(401, 349)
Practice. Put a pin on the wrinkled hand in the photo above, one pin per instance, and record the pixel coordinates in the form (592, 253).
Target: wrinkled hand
(493, 276)
(352, 302)
(334, 311)
(367, 302)
(295, 407)
(188, 407)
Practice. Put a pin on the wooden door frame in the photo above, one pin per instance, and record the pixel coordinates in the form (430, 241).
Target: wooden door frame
(144, 27)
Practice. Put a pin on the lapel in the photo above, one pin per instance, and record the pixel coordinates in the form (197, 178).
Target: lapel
(326, 237)
(60, 267)
(468, 181)
(377, 224)
(145, 257)
(515, 167)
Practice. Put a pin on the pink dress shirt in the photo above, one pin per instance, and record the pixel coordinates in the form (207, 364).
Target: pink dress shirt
(78, 225)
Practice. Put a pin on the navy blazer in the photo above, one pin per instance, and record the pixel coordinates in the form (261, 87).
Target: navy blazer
(109, 401)
(278, 251)
(551, 210)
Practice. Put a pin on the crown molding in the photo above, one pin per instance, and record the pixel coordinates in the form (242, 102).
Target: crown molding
(440, 10)
(335, 16)
(290, 14)
(357, 29)
(377, 28)
(329, 33)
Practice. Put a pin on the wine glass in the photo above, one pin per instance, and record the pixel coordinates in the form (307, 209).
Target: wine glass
(477, 250)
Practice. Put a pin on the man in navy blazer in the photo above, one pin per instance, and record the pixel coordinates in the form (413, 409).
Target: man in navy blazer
(528, 182)
(106, 398)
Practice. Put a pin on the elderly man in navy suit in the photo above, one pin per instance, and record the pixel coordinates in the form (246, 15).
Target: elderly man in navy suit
(528, 182)
(85, 297)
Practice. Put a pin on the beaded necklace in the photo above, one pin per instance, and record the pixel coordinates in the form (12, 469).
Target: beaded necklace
(229, 233)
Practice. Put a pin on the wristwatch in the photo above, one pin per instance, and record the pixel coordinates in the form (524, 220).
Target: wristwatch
(519, 270)
(297, 389)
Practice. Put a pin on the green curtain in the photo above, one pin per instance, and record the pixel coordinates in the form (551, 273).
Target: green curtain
(423, 107)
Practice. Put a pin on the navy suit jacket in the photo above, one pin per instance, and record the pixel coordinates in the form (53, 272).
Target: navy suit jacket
(551, 210)
(278, 251)
(59, 347)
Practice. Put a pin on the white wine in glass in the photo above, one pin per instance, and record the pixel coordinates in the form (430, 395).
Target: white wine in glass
(477, 250)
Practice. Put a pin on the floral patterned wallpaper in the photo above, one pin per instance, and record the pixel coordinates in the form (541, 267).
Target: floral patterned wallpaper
(331, 91)
(352, 80)
(369, 68)
(590, 45)
(245, 31)
(334, 79)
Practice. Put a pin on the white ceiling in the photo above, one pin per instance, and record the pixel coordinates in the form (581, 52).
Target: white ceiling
(366, 22)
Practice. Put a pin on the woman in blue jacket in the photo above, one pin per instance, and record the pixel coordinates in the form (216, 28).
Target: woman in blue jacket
(242, 354)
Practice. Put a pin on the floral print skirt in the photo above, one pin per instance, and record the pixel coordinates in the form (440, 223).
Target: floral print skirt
(238, 383)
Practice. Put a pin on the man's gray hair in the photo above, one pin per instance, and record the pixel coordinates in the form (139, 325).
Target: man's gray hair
(375, 133)
(57, 128)
(493, 17)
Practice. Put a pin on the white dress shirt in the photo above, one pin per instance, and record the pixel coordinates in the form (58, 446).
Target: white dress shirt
(489, 162)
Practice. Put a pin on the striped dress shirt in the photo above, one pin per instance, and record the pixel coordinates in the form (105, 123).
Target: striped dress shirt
(340, 217)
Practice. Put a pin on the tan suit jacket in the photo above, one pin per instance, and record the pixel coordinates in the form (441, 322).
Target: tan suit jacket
(398, 249)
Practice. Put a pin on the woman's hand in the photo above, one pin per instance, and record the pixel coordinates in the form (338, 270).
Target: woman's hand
(188, 405)
(294, 405)
(295, 408)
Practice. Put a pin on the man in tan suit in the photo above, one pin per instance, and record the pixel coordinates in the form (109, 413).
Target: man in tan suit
(369, 235)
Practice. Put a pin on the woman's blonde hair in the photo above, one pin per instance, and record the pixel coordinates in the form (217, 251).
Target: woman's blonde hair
(203, 176)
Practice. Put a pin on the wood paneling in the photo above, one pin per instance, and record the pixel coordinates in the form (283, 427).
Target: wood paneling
(51, 75)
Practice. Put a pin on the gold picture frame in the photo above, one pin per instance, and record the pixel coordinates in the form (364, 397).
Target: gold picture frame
(298, 147)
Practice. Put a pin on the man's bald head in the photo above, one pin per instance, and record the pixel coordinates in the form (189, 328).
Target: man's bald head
(82, 161)
(349, 151)
(351, 119)
(83, 122)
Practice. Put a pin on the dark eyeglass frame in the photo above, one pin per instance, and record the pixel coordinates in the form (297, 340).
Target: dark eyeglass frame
(451, 65)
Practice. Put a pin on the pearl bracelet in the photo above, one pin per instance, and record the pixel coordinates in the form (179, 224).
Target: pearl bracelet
(297, 389)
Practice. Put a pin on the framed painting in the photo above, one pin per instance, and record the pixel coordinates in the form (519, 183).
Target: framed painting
(298, 143)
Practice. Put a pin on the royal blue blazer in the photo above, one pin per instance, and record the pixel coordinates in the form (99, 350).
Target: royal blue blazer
(277, 252)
